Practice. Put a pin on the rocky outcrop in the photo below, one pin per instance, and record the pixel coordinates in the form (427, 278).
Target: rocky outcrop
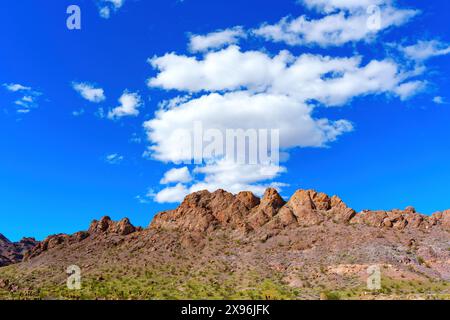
(102, 228)
(202, 212)
(442, 218)
(107, 226)
(268, 207)
(13, 252)
(395, 219)
(308, 208)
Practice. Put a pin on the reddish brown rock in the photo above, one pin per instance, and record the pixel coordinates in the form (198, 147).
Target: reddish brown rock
(340, 211)
(372, 218)
(101, 228)
(304, 208)
(269, 206)
(13, 252)
(441, 218)
(106, 225)
(396, 219)
(204, 211)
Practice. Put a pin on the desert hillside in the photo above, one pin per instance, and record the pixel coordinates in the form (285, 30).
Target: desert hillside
(224, 246)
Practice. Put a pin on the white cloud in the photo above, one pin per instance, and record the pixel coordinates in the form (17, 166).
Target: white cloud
(26, 102)
(89, 92)
(129, 106)
(230, 89)
(424, 50)
(239, 110)
(328, 6)
(332, 81)
(233, 177)
(114, 158)
(227, 69)
(216, 40)
(438, 100)
(171, 194)
(409, 89)
(335, 29)
(226, 175)
(177, 175)
(106, 7)
(29, 97)
(253, 90)
(15, 87)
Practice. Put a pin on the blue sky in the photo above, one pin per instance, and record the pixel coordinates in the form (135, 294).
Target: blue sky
(72, 152)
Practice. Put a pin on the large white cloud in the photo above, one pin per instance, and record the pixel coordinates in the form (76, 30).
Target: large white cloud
(332, 81)
(238, 110)
(226, 88)
(337, 28)
(227, 69)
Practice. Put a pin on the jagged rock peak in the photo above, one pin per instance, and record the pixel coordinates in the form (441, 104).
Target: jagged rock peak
(272, 197)
(204, 211)
(106, 225)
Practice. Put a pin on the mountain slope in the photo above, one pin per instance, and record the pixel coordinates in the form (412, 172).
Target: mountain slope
(13, 252)
(219, 245)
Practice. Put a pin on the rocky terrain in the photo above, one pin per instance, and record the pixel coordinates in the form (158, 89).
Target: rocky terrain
(224, 246)
(12, 252)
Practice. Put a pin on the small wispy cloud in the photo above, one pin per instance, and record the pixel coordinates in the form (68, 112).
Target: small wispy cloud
(107, 7)
(129, 106)
(424, 50)
(439, 100)
(114, 158)
(28, 98)
(216, 40)
(78, 113)
(15, 87)
(89, 91)
(23, 110)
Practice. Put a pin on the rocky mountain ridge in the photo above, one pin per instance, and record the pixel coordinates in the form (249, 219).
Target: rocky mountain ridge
(217, 244)
(203, 212)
